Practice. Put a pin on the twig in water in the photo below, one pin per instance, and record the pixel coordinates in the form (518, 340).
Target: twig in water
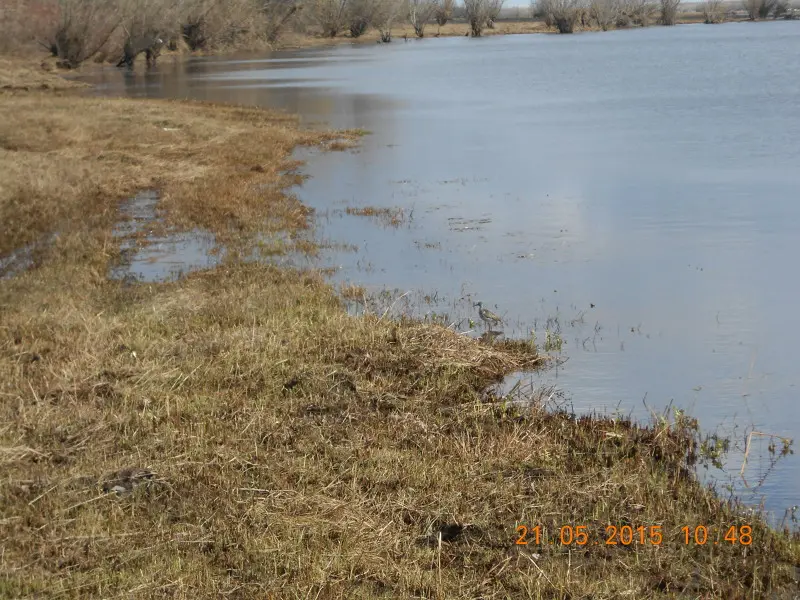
(392, 306)
(747, 446)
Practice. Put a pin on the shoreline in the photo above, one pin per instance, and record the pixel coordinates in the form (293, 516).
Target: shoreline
(235, 431)
(40, 71)
(454, 28)
(458, 28)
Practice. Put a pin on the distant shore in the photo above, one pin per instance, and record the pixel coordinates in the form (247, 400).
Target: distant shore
(456, 28)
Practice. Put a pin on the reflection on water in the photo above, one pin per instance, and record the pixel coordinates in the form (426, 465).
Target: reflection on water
(636, 189)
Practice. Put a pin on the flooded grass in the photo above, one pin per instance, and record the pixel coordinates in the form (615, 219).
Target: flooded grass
(341, 145)
(353, 292)
(389, 217)
(151, 251)
(236, 433)
(462, 224)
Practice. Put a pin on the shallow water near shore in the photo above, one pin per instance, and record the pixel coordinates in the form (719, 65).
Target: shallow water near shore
(633, 191)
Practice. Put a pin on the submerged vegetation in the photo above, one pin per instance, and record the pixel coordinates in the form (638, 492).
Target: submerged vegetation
(237, 433)
(390, 217)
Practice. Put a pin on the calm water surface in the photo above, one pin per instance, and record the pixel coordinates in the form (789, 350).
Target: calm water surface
(654, 174)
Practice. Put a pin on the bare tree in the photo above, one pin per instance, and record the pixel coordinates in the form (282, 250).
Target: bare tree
(206, 24)
(477, 13)
(420, 13)
(638, 12)
(669, 11)
(759, 9)
(359, 15)
(540, 9)
(384, 17)
(604, 12)
(81, 29)
(330, 15)
(194, 25)
(277, 13)
(494, 8)
(147, 23)
(713, 11)
(564, 14)
(444, 11)
(782, 10)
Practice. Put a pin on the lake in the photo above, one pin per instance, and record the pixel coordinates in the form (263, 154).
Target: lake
(636, 192)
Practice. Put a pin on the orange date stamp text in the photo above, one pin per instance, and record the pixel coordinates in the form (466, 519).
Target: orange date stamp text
(627, 535)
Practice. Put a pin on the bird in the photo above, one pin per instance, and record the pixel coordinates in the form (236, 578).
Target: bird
(487, 316)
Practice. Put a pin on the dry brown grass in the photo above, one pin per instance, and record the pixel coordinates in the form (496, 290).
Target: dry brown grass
(353, 292)
(236, 433)
(65, 162)
(23, 75)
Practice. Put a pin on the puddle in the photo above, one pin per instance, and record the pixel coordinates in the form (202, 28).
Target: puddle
(152, 253)
(22, 259)
(18, 261)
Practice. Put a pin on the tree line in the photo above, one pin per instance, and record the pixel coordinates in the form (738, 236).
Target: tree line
(79, 30)
(567, 15)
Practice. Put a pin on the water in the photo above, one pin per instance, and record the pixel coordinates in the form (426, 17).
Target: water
(650, 173)
(153, 255)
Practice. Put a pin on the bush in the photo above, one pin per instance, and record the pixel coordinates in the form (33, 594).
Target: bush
(477, 14)
(194, 31)
(213, 24)
(669, 11)
(359, 14)
(277, 14)
(146, 24)
(493, 12)
(605, 13)
(713, 11)
(563, 14)
(330, 15)
(639, 12)
(80, 29)
(444, 11)
(358, 26)
(383, 18)
(420, 13)
(759, 9)
(77, 30)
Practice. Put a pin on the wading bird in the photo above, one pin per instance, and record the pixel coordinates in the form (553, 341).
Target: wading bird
(487, 316)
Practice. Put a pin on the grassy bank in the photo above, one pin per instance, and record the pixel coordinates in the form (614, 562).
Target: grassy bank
(236, 433)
